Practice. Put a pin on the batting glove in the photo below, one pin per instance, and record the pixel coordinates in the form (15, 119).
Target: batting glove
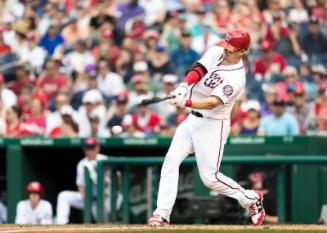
(181, 90)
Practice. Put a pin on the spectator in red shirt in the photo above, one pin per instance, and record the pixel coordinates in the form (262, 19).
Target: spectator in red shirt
(35, 122)
(22, 78)
(68, 127)
(52, 81)
(145, 120)
(13, 123)
(290, 84)
(269, 63)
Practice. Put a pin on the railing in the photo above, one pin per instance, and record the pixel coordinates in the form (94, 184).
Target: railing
(154, 162)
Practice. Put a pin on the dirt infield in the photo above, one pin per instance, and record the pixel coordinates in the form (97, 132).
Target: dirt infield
(172, 228)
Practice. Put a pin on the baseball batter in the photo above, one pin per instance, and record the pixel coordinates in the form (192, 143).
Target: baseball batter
(210, 89)
(34, 210)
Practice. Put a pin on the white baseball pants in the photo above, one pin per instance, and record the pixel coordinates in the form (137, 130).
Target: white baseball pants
(206, 138)
(68, 199)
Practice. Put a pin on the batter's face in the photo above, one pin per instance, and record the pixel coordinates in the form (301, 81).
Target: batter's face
(233, 55)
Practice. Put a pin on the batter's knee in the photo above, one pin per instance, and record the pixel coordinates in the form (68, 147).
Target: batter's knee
(211, 181)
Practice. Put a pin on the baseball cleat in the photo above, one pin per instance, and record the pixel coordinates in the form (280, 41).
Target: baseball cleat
(256, 210)
(157, 220)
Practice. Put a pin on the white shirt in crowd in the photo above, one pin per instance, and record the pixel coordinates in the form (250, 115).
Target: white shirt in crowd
(8, 97)
(34, 57)
(111, 85)
(42, 214)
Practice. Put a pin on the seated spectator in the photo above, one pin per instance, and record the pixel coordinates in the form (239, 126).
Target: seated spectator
(124, 65)
(140, 87)
(33, 54)
(73, 32)
(7, 96)
(322, 112)
(13, 123)
(177, 117)
(92, 101)
(130, 130)
(22, 78)
(184, 56)
(161, 64)
(52, 39)
(109, 83)
(298, 14)
(118, 110)
(67, 127)
(290, 83)
(202, 42)
(302, 110)
(314, 43)
(97, 128)
(269, 64)
(250, 124)
(271, 95)
(35, 122)
(151, 39)
(34, 210)
(164, 109)
(51, 82)
(77, 60)
(146, 120)
(319, 74)
(222, 15)
(280, 123)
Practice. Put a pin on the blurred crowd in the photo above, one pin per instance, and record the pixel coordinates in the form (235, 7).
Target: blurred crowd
(79, 68)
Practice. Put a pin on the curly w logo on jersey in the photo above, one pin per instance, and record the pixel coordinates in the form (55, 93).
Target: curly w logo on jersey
(213, 80)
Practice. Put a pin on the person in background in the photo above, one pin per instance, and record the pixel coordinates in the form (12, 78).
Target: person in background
(3, 213)
(280, 123)
(184, 56)
(52, 39)
(118, 110)
(13, 123)
(7, 96)
(301, 109)
(22, 78)
(68, 199)
(146, 120)
(130, 129)
(270, 95)
(250, 124)
(67, 126)
(34, 210)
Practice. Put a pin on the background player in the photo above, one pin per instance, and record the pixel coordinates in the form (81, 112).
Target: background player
(210, 89)
(68, 199)
(34, 210)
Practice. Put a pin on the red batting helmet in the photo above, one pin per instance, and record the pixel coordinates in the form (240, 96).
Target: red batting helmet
(35, 187)
(236, 40)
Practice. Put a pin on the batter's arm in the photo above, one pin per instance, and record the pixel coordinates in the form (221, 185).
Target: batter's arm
(205, 103)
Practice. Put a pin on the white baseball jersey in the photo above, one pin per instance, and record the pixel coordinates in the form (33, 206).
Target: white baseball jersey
(91, 165)
(42, 214)
(225, 82)
(205, 136)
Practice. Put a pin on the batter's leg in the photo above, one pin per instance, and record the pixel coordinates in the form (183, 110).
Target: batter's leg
(66, 200)
(179, 149)
(209, 153)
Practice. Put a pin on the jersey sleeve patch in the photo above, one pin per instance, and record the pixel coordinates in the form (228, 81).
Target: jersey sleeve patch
(228, 90)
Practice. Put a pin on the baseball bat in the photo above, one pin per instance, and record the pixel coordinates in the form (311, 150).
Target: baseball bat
(154, 100)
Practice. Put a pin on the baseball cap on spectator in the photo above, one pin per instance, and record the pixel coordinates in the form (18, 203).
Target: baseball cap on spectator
(8, 18)
(169, 78)
(251, 105)
(289, 70)
(173, 14)
(122, 98)
(90, 143)
(21, 27)
(92, 96)
(138, 79)
(313, 20)
(160, 48)
(140, 66)
(152, 34)
(319, 69)
(66, 110)
(279, 102)
(266, 45)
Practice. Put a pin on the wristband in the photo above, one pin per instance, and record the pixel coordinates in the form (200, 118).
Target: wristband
(188, 103)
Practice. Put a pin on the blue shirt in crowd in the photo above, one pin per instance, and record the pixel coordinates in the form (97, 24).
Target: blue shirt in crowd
(49, 44)
(281, 126)
(183, 59)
